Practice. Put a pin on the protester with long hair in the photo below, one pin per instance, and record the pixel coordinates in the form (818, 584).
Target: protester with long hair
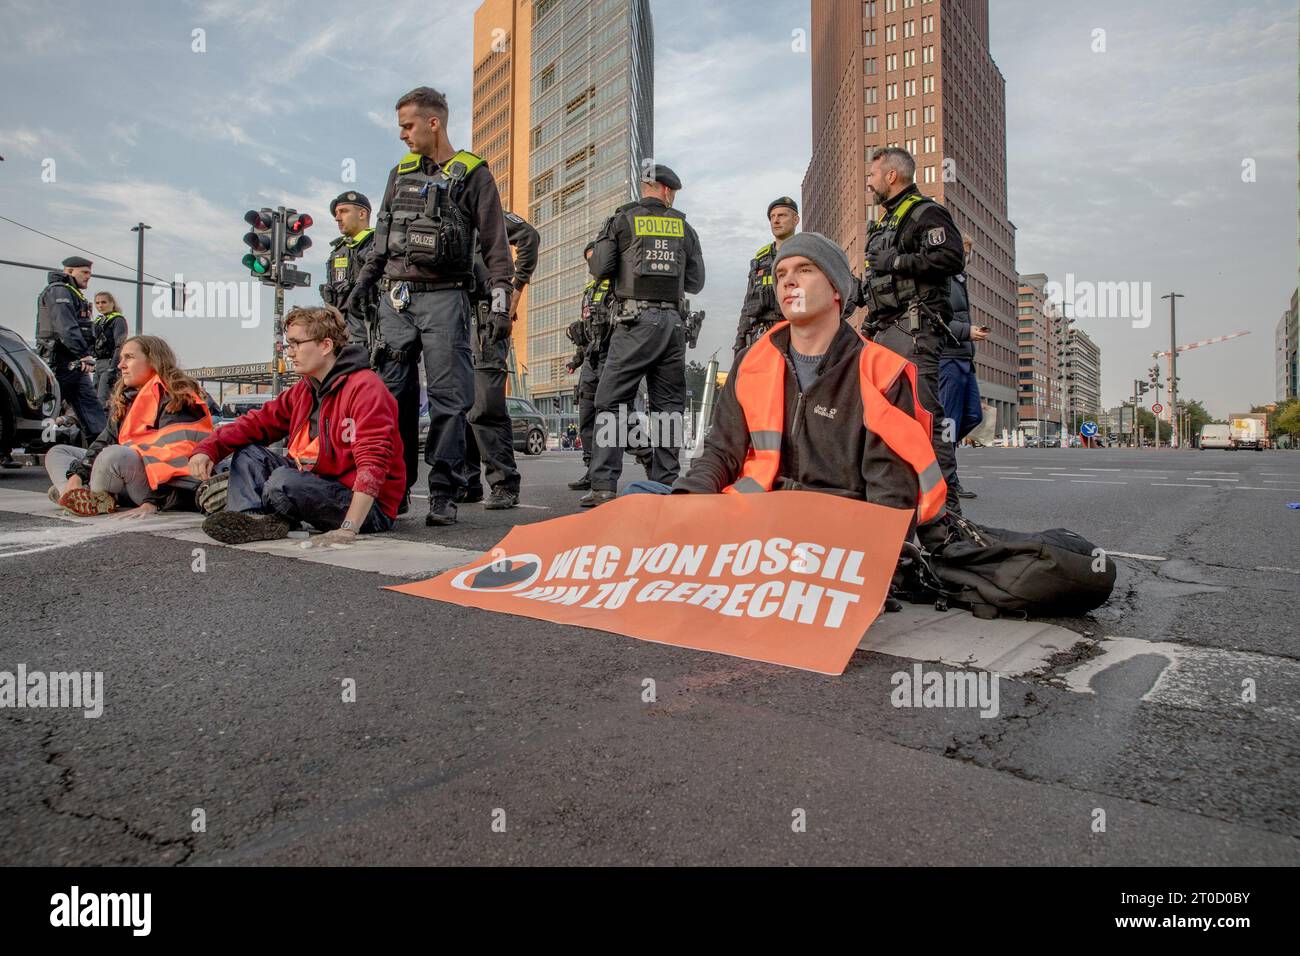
(156, 415)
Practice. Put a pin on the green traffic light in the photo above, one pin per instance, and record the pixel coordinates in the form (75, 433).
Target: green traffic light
(256, 264)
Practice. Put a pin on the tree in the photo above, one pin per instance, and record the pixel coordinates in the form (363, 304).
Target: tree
(695, 379)
(1287, 420)
(1196, 416)
(1147, 423)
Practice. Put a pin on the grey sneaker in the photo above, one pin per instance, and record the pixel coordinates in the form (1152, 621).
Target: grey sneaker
(442, 512)
(501, 499)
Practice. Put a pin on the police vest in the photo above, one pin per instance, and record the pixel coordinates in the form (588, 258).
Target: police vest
(760, 389)
(347, 256)
(760, 306)
(883, 243)
(423, 223)
(652, 265)
(595, 299)
(166, 451)
(304, 449)
(46, 335)
(104, 334)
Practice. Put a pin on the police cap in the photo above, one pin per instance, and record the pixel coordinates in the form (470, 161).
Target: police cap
(351, 197)
(663, 175)
(783, 201)
(73, 262)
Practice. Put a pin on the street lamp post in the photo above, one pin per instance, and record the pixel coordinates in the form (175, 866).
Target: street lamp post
(1173, 370)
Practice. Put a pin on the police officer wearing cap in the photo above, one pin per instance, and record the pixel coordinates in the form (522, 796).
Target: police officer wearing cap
(761, 310)
(439, 202)
(65, 338)
(348, 253)
(652, 256)
(913, 251)
(490, 438)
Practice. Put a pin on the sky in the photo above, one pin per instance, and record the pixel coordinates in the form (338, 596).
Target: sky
(1124, 164)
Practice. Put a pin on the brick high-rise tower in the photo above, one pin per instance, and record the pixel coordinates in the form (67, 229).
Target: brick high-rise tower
(918, 74)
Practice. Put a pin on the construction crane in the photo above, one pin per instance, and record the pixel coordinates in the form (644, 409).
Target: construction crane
(1197, 345)
(1170, 411)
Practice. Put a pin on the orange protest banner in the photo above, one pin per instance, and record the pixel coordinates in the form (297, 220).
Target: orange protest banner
(791, 577)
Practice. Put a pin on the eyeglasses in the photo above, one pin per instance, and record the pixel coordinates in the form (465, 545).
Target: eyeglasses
(291, 345)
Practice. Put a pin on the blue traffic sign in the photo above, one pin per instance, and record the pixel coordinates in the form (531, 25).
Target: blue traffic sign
(1088, 430)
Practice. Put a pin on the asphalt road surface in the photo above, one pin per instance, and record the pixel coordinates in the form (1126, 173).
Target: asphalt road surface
(1159, 730)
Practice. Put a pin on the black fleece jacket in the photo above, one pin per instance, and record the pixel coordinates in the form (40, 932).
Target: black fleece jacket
(824, 444)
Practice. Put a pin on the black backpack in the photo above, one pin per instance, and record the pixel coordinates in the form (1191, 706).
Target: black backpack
(992, 570)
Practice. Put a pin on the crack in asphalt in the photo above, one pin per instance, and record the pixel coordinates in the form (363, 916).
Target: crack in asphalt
(66, 774)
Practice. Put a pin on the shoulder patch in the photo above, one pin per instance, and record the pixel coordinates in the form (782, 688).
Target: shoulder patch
(763, 250)
(513, 218)
(935, 237)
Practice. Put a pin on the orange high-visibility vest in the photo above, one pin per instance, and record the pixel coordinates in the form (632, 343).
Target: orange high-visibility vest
(166, 451)
(305, 450)
(760, 389)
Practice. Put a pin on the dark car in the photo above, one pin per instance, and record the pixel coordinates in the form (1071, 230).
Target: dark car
(29, 395)
(529, 425)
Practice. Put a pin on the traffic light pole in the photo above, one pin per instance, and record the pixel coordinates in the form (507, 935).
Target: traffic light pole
(1173, 297)
(139, 277)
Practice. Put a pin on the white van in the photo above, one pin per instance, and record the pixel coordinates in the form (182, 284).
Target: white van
(1216, 436)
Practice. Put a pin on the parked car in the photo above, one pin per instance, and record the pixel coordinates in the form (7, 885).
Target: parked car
(1051, 441)
(29, 395)
(1032, 441)
(236, 405)
(1216, 436)
(529, 425)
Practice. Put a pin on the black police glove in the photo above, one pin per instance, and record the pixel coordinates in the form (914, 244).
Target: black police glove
(496, 327)
(883, 265)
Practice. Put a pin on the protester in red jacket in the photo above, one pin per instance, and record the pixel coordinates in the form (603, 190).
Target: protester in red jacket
(343, 472)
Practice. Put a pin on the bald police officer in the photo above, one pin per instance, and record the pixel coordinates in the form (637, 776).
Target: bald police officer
(438, 203)
(65, 337)
(652, 256)
(913, 251)
(761, 310)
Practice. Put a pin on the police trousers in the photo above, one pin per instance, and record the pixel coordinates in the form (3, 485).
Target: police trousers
(104, 378)
(923, 352)
(652, 346)
(77, 391)
(588, 380)
(434, 327)
(490, 438)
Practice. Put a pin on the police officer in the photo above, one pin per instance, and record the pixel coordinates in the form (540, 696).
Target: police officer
(348, 253)
(761, 310)
(110, 333)
(913, 250)
(65, 337)
(490, 437)
(652, 255)
(437, 204)
(590, 335)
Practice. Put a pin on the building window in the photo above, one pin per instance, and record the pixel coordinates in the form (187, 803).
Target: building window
(909, 58)
(928, 114)
(911, 146)
(542, 185)
(930, 144)
(872, 124)
(891, 91)
(869, 9)
(869, 95)
(927, 54)
(546, 79)
(927, 24)
(891, 6)
(909, 119)
(891, 34)
(909, 87)
(891, 121)
(929, 174)
(870, 38)
(927, 84)
(909, 29)
(869, 65)
(891, 62)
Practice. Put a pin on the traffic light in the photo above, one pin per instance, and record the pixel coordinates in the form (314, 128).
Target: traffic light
(296, 240)
(258, 261)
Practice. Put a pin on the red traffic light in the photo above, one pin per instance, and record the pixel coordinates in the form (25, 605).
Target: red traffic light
(300, 223)
(259, 219)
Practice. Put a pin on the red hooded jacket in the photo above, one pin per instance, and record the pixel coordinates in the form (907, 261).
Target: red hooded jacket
(356, 423)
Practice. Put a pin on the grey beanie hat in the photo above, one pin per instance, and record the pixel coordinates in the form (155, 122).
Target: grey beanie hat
(828, 257)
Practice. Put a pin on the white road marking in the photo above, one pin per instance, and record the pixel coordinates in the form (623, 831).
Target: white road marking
(1066, 474)
(1216, 473)
(1017, 478)
(1101, 469)
(1194, 478)
(1259, 488)
(382, 554)
(1137, 557)
(1165, 484)
(1096, 481)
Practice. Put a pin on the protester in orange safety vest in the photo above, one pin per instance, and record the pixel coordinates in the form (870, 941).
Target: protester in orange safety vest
(813, 406)
(156, 416)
